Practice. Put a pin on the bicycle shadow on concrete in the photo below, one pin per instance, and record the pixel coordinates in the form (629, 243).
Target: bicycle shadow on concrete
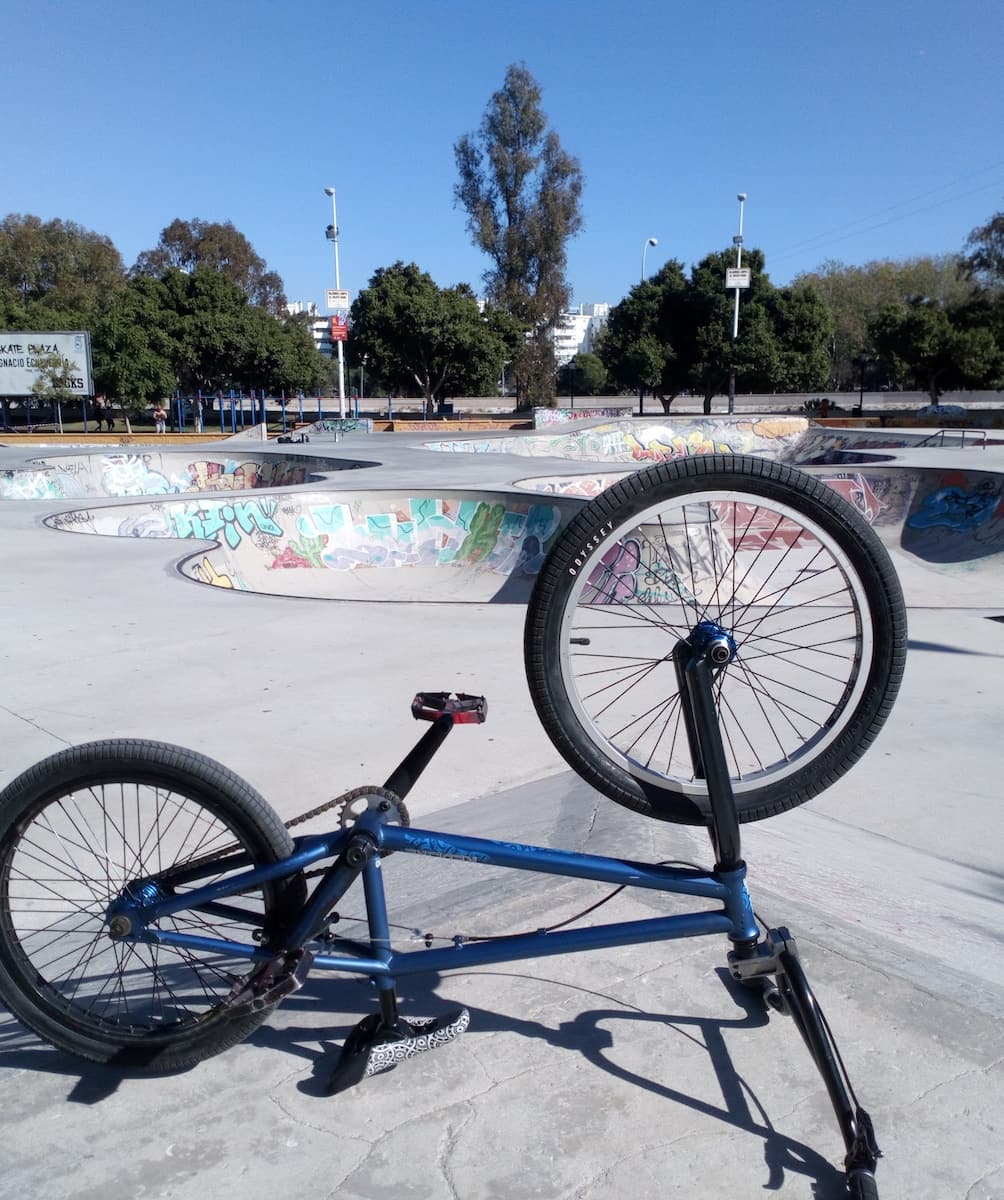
(21, 1050)
(587, 1035)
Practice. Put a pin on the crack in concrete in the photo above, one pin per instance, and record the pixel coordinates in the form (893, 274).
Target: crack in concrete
(581, 1191)
(943, 1083)
(304, 1124)
(35, 725)
(971, 1190)
(451, 1137)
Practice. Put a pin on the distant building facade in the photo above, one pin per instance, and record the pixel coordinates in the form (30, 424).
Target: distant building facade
(320, 327)
(577, 331)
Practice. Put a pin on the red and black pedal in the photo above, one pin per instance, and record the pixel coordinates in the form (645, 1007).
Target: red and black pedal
(464, 709)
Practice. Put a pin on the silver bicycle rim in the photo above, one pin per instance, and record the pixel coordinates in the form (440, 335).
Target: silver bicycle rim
(70, 861)
(769, 576)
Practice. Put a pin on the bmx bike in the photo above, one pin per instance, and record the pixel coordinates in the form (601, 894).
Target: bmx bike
(710, 642)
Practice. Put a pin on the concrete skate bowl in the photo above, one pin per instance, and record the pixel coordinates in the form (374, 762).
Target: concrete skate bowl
(642, 441)
(834, 444)
(455, 547)
(159, 473)
(942, 523)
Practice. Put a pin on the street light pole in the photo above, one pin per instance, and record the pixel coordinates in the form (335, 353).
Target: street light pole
(644, 251)
(738, 242)
(332, 235)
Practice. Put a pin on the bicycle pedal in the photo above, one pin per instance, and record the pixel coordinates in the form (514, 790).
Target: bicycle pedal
(464, 709)
(271, 983)
(372, 1048)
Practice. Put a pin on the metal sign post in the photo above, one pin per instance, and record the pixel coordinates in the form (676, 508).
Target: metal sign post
(738, 279)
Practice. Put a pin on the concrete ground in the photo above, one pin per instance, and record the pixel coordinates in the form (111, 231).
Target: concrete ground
(638, 1071)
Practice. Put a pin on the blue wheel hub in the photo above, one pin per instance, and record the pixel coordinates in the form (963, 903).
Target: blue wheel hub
(715, 643)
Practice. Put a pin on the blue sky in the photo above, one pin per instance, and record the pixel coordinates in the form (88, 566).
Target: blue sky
(859, 129)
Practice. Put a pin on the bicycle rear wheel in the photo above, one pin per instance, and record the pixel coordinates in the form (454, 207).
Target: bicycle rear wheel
(767, 557)
(78, 827)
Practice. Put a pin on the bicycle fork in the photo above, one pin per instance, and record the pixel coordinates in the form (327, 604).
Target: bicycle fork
(771, 963)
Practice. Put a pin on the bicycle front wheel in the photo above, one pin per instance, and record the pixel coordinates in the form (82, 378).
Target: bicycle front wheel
(769, 558)
(75, 830)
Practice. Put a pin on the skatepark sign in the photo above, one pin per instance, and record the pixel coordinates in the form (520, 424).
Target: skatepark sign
(23, 355)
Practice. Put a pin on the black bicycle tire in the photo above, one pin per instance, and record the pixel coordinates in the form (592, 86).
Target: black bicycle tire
(239, 808)
(579, 547)
(861, 1185)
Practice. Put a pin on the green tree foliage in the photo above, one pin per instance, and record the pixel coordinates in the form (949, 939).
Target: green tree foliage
(856, 295)
(802, 328)
(925, 345)
(197, 332)
(583, 375)
(189, 245)
(416, 334)
(55, 274)
(133, 351)
(641, 338)
(521, 192)
(984, 261)
(672, 333)
(54, 378)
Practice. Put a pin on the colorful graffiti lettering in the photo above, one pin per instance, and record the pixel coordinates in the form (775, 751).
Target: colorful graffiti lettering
(857, 490)
(233, 520)
(344, 425)
(428, 531)
(564, 416)
(618, 576)
(750, 527)
(205, 572)
(30, 485)
(958, 508)
(663, 447)
(630, 440)
(614, 579)
(303, 553)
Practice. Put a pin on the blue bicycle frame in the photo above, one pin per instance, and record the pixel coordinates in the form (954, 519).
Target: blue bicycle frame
(306, 941)
(734, 916)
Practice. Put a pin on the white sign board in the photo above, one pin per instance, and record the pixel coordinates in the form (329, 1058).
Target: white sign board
(737, 277)
(21, 353)
(337, 298)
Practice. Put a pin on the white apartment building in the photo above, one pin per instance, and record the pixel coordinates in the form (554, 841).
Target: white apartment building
(578, 330)
(320, 327)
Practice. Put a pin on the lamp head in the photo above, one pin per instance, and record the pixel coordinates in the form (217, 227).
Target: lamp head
(653, 241)
(741, 196)
(329, 191)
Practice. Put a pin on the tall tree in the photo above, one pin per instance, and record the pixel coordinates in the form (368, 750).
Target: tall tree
(803, 328)
(419, 335)
(522, 191)
(197, 332)
(55, 274)
(188, 245)
(855, 295)
(984, 261)
(923, 344)
(583, 375)
(753, 356)
(647, 333)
